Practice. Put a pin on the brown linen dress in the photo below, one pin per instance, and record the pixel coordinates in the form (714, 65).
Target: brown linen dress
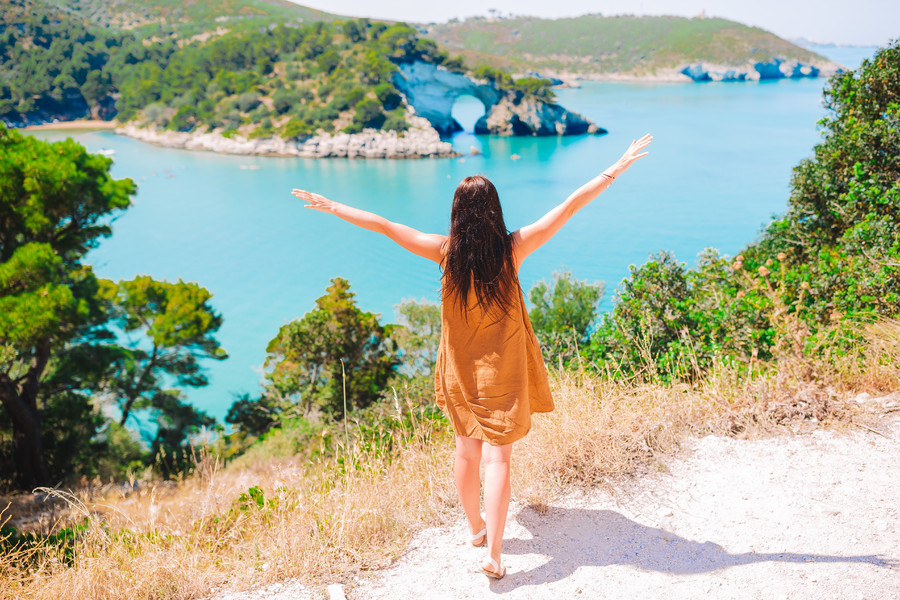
(490, 375)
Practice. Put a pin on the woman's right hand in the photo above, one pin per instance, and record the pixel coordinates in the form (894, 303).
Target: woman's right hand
(316, 201)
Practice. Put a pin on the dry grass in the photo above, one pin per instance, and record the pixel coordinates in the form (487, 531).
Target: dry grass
(241, 527)
(322, 519)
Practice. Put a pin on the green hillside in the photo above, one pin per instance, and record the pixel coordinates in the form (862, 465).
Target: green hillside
(592, 44)
(289, 79)
(187, 15)
(181, 68)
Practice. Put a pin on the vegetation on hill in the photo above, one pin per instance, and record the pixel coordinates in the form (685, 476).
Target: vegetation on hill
(593, 44)
(832, 259)
(288, 78)
(191, 17)
(292, 80)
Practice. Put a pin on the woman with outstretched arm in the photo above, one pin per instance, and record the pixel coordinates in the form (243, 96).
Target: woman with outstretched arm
(489, 376)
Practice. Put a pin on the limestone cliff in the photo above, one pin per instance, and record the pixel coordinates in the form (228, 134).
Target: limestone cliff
(431, 90)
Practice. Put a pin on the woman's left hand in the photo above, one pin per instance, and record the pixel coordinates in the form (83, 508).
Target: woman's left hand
(634, 152)
(316, 201)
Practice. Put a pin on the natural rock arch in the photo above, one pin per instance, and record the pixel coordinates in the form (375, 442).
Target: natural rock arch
(432, 90)
(468, 110)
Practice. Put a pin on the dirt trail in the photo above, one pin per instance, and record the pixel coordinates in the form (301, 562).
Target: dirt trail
(804, 516)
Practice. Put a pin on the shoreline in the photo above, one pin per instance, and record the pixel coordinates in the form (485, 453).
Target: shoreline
(77, 124)
(420, 141)
(569, 80)
(710, 72)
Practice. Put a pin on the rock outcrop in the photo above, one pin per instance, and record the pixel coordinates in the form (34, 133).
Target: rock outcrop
(420, 141)
(431, 90)
(774, 69)
(531, 117)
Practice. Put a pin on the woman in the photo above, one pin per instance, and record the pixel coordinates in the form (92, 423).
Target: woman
(489, 375)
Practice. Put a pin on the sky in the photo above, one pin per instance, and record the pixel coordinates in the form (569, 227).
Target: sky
(860, 22)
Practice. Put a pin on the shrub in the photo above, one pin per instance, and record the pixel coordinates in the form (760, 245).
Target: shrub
(248, 101)
(254, 416)
(388, 95)
(154, 112)
(369, 114)
(309, 357)
(834, 255)
(418, 335)
(536, 88)
(496, 76)
(562, 315)
(285, 99)
(296, 129)
(344, 98)
(185, 118)
(329, 61)
(564, 306)
(396, 121)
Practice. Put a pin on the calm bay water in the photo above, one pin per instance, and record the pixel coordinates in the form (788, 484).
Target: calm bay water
(718, 170)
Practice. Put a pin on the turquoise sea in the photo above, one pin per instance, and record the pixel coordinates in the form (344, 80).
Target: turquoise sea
(719, 169)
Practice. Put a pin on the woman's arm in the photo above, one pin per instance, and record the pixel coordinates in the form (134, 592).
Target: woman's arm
(531, 237)
(427, 245)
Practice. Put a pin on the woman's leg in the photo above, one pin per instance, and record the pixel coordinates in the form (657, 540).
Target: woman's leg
(468, 482)
(496, 495)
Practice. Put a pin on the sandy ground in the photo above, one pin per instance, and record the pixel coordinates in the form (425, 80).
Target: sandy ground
(75, 125)
(803, 516)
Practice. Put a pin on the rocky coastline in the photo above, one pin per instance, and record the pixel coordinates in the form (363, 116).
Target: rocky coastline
(777, 68)
(702, 72)
(421, 140)
(431, 91)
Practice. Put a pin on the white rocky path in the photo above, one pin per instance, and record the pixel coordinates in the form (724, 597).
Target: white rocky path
(790, 517)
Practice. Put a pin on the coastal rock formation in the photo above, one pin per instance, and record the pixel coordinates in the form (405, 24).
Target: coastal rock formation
(431, 90)
(420, 141)
(530, 117)
(775, 69)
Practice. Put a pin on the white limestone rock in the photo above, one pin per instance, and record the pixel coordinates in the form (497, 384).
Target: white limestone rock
(421, 140)
(533, 117)
(431, 90)
(777, 68)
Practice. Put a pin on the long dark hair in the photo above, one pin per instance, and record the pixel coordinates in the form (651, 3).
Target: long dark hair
(479, 250)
